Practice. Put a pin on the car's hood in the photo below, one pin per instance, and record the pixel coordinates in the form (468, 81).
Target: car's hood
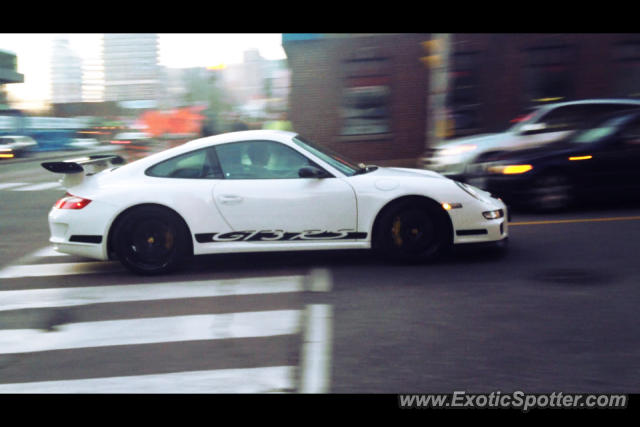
(394, 172)
(480, 140)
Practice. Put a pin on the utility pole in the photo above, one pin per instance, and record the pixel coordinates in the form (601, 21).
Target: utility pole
(437, 61)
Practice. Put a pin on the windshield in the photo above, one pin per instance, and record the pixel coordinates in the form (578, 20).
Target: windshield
(527, 117)
(339, 162)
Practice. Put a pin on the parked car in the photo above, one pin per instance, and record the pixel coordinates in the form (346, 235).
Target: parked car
(544, 125)
(599, 161)
(132, 137)
(257, 191)
(16, 145)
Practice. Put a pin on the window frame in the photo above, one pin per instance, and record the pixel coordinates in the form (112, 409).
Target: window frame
(209, 153)
(311, 161)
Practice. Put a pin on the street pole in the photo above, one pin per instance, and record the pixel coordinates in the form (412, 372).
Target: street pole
(437, 61)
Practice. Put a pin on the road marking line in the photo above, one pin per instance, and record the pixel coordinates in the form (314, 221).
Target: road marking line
(46, 252)
(59, 269)
(151, 330)
(68, 297)
(319, 280)
(11, 185)
(250, 380)
(316, 351)
(567, 221)
(41, 186)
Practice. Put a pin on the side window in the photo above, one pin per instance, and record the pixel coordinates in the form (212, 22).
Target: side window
(596, 111)
(577, 116)
(260, 160)
(564, 118)
(198, 164)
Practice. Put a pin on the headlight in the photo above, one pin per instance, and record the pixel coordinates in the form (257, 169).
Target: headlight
(6, 153)
(458, 149)
(493, 214)
(509, 169)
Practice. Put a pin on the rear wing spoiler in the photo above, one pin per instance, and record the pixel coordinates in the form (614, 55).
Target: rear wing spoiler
(75, 170)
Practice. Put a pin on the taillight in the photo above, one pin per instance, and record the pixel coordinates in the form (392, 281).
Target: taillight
(69, 201)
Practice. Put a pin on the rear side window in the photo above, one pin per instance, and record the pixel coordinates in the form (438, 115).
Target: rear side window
(577, 116)
(198, 164)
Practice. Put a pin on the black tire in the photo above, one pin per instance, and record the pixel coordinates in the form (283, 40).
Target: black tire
(551, 192)
(151, 240)
(412, 232)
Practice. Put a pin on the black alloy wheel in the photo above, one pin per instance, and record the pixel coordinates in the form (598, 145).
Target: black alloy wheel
(412, 233)
(151, 240)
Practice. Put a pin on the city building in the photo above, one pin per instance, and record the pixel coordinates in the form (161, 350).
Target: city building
(256, 86)
(8, 75)
(66, 73)
(366, 95)
(362, 95)
(131, 68)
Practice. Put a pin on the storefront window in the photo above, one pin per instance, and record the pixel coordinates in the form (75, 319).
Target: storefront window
(626, 58)
(366, 95)
(464, 97)
(547, 76)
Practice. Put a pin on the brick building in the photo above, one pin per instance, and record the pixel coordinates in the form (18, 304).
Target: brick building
(365, 95)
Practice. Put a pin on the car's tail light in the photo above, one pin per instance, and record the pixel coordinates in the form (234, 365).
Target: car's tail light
(69, 201)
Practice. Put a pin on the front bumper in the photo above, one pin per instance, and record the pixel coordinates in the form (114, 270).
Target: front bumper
(470, 226)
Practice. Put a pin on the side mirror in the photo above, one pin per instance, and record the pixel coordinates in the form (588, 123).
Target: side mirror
(532, 128)
(312, 172)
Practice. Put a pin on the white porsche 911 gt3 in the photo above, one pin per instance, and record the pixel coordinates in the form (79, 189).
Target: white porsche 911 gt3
(256, 191)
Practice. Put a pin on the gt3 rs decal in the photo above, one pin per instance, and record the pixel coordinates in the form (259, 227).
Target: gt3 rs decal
(278, 235)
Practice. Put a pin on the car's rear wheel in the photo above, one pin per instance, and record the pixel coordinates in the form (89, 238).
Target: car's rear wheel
(551, 192)
(415, 232)
(151, 240)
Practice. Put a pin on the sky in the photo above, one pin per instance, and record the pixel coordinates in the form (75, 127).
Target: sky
(175, 50)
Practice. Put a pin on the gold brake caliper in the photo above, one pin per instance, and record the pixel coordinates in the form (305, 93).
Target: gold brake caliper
(168, 240)
(395, 231)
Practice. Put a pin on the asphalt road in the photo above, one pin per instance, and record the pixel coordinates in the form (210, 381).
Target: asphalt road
(556, 312)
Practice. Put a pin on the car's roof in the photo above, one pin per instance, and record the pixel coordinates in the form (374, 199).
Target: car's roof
(245, 135)
(273, 135)
(592, 101)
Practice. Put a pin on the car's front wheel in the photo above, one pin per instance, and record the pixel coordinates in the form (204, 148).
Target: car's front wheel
(151, 240)
(415, 232)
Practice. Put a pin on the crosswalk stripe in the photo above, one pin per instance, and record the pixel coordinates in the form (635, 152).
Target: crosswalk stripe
(151, 330)
(41, 186)
(11, 185)
(48, 251)
(249, 380)
(59, 269)
(274, 323)
(317, 349)
(67, 297)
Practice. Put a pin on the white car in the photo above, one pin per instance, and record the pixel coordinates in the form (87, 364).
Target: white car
(16, 145)
(257, 191)
(459, 158)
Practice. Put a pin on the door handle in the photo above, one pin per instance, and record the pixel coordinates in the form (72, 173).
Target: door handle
(229, 199)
